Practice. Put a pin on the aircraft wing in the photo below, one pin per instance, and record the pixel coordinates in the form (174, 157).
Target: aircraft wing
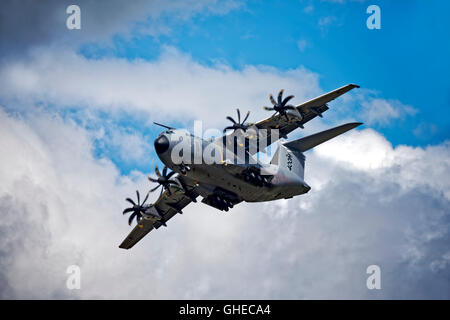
(325, 98)
(167, 205)
(308, 111)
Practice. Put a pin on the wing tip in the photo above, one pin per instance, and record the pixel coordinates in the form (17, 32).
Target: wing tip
(124, 245)
(355, 124)
(354, 85)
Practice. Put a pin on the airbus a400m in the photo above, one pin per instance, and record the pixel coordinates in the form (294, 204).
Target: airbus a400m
(225, 171)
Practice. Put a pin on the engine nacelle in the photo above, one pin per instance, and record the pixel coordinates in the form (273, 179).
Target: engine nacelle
(294, 114)
(151, 213)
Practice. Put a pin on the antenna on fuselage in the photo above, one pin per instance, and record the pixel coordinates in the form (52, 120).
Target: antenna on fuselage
(164, 126)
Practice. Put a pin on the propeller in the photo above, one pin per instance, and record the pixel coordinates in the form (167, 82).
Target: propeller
(280, 106)
(137, 208)
(163, 180)
(238, 124)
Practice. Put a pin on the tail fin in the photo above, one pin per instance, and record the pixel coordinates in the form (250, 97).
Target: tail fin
(289, 158)
(309, 142)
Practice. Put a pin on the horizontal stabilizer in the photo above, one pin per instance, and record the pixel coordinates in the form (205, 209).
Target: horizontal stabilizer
(313, 140)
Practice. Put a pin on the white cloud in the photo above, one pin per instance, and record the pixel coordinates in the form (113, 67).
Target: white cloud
(371, 203)
(326, 21)
(173, 87)
(367, 151)
(425, 130)
(302, 44)
(61, 206)
(130, 147)
(43, 24)
(441, 264)
(382, 111)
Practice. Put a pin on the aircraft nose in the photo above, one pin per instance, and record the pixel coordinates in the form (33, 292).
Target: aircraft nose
(161, 144)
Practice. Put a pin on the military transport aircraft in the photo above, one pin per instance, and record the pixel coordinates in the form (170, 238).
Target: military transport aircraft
(225, 171)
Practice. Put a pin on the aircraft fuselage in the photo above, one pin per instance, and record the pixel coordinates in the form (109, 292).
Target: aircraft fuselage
(211, 168)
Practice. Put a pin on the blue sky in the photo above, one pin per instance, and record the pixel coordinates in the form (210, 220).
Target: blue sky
(407, 60)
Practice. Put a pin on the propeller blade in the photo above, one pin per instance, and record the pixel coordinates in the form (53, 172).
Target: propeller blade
(130, 219)
(272, 100)
(280, 95)
(237, 125)
(137, 209)
(128, 210)
(231, 119)
(164, 173)
(228, 128)
(152, 180)
(145, 199)
(286, 100)
(246, 117)
(155, 188)
(268, 109)
(170, 174)
(157, 172)
(130, 201)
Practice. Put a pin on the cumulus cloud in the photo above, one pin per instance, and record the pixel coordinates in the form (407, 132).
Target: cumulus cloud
(61, 206)
(374, 109)
(382, 111)
(61, 201)
(28, 24)
(130, 146)
(173, 86)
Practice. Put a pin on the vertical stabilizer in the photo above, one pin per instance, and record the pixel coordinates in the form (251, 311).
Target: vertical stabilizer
(289, 159)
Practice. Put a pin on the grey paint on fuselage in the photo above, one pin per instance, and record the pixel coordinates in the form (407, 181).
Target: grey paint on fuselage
(210, 173)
